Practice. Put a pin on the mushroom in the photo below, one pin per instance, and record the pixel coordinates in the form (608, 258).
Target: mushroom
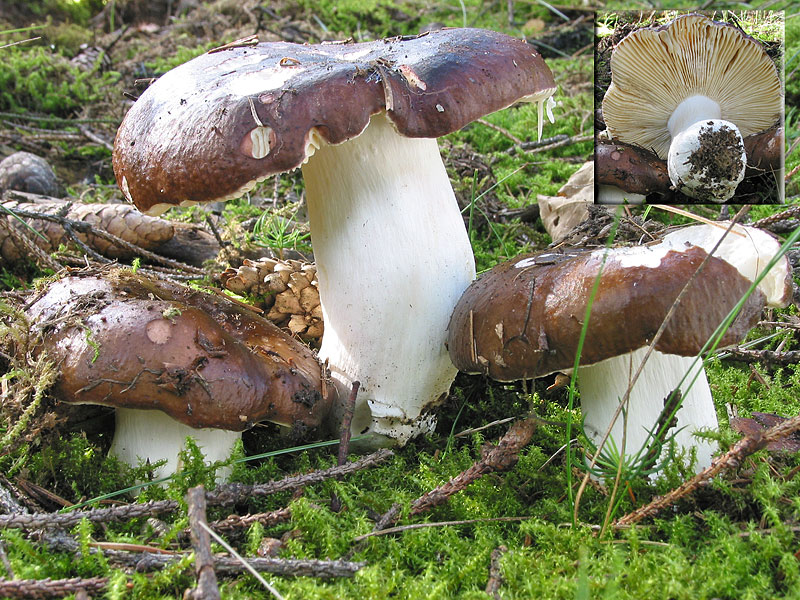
(391, 249)
(523, 319)
(689, 91)
(174, 362)
(638, 171)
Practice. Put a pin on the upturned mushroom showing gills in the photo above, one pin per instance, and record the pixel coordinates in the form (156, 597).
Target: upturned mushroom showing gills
(523, 319)
(690, 91)
(174, 362)
(392, 252)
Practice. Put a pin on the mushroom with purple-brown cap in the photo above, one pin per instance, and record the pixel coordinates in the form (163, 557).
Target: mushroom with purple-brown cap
(689, 91)
(174, 362)
(392, 252)
(523, 319)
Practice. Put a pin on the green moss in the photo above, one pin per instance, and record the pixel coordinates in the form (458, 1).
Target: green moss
(37, 80)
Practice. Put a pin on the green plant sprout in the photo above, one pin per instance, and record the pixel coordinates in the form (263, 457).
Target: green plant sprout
(279, 231)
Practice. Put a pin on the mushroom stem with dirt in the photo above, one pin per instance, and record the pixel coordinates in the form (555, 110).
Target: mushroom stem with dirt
(391, 249)
(690, 90)
(523, 319)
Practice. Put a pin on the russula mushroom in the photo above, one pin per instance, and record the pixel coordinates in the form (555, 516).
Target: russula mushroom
(391, 249)
(639, 171)
(689, 91)
(523, 318)
(174, 362)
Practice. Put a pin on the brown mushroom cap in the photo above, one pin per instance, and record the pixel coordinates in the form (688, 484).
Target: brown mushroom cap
(654, 69)
(188, 137)
(523, 318)
(123, 341)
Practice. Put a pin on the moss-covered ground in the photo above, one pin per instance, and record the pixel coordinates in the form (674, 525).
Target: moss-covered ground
(736, 538)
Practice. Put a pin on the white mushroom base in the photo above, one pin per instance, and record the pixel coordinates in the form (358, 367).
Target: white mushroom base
(151, 435)
(393, 258)
(603, 384)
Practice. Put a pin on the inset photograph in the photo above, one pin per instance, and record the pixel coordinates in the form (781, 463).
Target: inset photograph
(689, 107)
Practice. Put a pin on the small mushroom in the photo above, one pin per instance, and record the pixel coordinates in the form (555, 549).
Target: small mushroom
(690, 91)
(523, 319)
(174, 362)
(392, 252)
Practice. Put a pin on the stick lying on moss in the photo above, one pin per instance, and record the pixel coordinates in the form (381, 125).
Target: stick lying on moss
(730, 460)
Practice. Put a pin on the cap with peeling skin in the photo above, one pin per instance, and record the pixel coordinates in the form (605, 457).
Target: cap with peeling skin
(523, 318)
(213, 127)
(655, 69)
(201, 359)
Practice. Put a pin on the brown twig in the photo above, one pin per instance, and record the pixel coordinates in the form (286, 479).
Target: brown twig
(789, 357)
(21, 239)
(527, 146)
(96, 515)
(501, 457)
(230, 494)
(401, 528)
(144, 562)
(207, 588)
(50, 588)
(501, 130)
(730, 460)
(784, 215)
(495, 573)
(347, 421)
(234, 522)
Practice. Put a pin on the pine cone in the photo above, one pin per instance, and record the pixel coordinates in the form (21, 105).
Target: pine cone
(287, 291)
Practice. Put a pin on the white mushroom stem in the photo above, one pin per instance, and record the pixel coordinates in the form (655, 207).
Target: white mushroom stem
(689, 165)
(611, 194)
(151, 435)
(393, 258)
(602, 385)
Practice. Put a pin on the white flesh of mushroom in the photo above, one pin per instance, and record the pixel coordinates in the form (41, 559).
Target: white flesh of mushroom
(602, 385)
(393, 258)
(152, 435)
(697, 128)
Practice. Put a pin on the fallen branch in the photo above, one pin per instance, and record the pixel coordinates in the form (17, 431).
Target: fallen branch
(126, 512)
(238, 522)
(730, 460)
(501, 457)
(144, 562)
(790, 213)
(401, 528)
(495, 581)
(207, 588)
(50, 588)
(347, 420)
(789, 357)
(233, 493)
